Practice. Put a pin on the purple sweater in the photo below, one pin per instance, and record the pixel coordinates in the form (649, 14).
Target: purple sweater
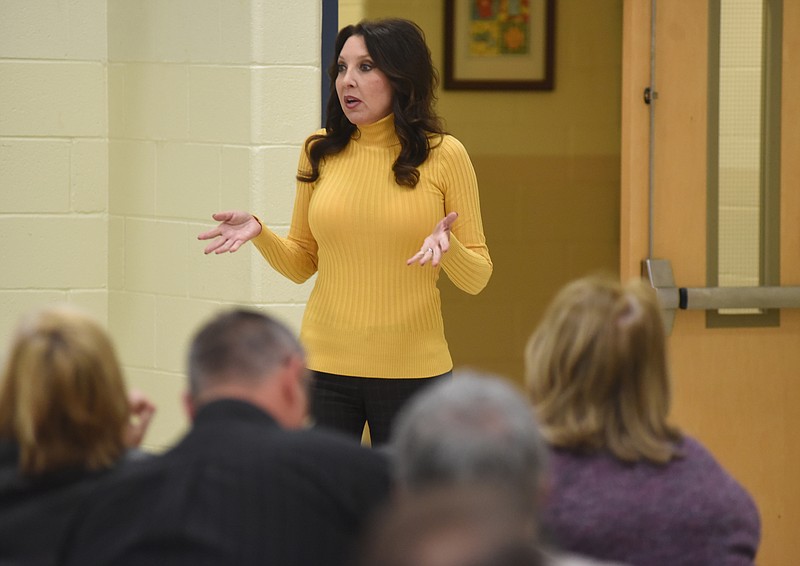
(689, 512)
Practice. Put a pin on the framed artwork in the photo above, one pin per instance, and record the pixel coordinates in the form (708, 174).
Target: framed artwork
(499, 44)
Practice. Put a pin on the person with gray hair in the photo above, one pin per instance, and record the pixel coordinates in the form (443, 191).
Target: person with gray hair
(231, 356)
(249, 484)
(475, 428)
(470, 443)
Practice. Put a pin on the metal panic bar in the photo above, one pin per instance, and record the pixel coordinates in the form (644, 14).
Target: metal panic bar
(659, 274)
(712, 298)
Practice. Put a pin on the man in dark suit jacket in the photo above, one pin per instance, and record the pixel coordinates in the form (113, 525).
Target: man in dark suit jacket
(247, 484)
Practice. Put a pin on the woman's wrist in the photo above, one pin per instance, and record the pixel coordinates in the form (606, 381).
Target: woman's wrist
(260, 225)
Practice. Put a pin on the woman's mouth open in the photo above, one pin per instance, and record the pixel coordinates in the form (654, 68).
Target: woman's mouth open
(351, 102)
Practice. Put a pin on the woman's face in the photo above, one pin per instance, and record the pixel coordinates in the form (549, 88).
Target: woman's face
(363, 90)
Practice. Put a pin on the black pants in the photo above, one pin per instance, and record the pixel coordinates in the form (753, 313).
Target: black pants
(345, 403)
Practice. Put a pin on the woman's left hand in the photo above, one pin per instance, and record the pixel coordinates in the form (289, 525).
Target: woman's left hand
(436, 244)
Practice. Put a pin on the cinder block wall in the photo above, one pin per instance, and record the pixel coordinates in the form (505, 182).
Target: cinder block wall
(209, 103)
(53, 157)
(117, 149)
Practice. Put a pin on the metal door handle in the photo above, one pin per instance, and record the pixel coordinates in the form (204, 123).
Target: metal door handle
(712, 298)
(659, 273)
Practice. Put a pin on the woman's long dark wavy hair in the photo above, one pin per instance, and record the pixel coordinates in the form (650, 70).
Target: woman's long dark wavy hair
(398, 49)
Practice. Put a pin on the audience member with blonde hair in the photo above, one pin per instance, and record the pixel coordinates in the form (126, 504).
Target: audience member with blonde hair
(65, 419)
(625, 484)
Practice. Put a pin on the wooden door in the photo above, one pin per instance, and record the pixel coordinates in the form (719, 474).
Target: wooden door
(736, 389)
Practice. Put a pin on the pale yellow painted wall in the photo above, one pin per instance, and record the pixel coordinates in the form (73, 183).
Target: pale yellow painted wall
(123, 126)
(53, 157)
(350, 12)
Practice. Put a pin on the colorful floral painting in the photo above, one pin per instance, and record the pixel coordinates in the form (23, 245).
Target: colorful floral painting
(499, 27)
(499, 44)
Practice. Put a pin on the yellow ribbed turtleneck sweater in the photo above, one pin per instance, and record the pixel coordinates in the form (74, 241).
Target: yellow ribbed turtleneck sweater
(370, 314)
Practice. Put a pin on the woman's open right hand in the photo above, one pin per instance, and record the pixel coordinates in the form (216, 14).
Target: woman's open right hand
(235, 228)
